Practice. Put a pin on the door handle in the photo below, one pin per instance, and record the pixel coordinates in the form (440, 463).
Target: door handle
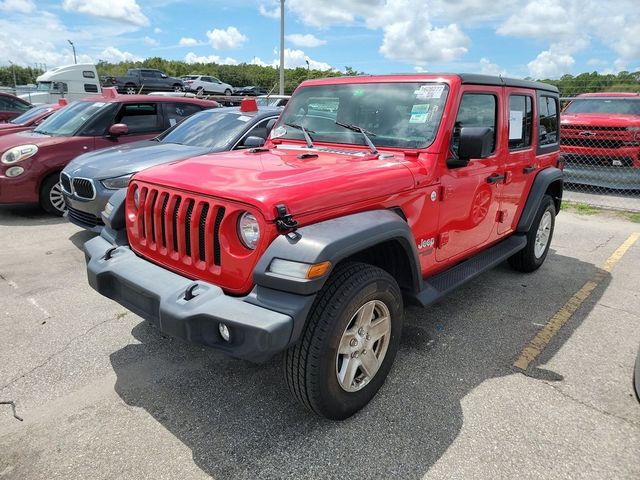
(529, 169)
(495, 178)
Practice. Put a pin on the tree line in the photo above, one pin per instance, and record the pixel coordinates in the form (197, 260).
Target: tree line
(246, 74)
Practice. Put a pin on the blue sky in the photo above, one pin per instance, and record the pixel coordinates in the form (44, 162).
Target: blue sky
(541, 39)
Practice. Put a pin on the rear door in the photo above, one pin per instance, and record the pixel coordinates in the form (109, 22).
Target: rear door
(520, 157)
(174, 113)
(471, 194)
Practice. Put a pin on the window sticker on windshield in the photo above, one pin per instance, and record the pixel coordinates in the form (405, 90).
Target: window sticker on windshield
(278, 132)
(99, 104)
(515, 125)
(419, 113)
(172, 121)
(244, 118)
(429, 91)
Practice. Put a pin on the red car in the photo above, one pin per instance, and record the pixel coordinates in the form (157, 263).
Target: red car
(371, 191)
(11, 106)
(31, 118)
(31, 161)
(600, 137)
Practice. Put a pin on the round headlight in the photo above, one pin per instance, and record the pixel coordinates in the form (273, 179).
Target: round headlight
(19, 153)
(249, 230)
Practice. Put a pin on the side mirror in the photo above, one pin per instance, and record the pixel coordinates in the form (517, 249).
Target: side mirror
(118, 129)
(163, 75)
(475, 142)
(253, 142)
(270, 124)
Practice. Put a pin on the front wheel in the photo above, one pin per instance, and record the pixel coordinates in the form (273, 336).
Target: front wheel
(227, 92)
(51, 198)
(539, 238)
(349, 343)
(178, 88)
(130, 89)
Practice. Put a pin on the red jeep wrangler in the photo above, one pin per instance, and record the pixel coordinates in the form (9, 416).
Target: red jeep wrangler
(371, 191)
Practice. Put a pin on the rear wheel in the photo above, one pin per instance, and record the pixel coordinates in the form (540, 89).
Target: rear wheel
(349, 343)
(130, 89)
(178, 88)
(227, 92)
(539, 238)
(51, 198)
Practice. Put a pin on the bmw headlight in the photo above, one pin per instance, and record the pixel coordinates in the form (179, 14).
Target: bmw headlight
(249, 230)
(117, 183)
(19, 153)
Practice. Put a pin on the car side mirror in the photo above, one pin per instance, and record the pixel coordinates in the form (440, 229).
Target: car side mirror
(474, 142)
(163, 75)
(253, 142)
(270, 124)
(118, 129)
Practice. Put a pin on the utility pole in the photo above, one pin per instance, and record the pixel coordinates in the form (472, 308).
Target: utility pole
(15, 84)
(307, 60)
(281, 82)
(74, 51)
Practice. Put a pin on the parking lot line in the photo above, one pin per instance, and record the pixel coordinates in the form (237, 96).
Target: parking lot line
(562, 316)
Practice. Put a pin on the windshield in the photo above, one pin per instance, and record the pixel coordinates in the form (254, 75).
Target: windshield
(67, 121)
(400, 115)
(44, 86)
(208, 129)
(628, 106)
(31, 114)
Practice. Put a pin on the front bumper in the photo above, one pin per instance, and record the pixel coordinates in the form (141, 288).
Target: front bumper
(159, 295)
(86, 212)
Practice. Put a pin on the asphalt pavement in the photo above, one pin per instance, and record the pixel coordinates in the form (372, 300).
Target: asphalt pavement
(105, 395)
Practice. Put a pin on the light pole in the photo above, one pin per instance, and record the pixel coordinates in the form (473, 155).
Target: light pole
(74, 51)
(281, 82)
(13, 68)
(307, 60)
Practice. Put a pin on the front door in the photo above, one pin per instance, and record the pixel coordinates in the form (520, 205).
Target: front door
(471, 194)
(144, 120)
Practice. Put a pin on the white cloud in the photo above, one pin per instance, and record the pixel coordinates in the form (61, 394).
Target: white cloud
(488, 68)
(150, 41)
(597, 62)
(540, 19)
(297, 58)
(258, 61)
(112, 54)
(188, 42)
(225, 39)
(193, 58)
(324, 13)
(307, 40)
(272, 11)
(127, 11)
(550, 64)
(17, 6)
(157, 30)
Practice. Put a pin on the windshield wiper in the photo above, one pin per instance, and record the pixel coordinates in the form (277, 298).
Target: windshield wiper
(305, 132)
(365, 135)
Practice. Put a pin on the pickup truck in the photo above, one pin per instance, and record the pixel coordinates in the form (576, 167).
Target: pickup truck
(141, 80)
(370, 192)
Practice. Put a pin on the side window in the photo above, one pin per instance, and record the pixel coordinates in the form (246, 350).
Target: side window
(207, 79)
(146, 73)
(139, 117)
(90, 88)
(476, 110)
(88, 74)
(4, 103)
(548, 121)
(259, 130)
(176, 112)
(213, 79)
(520, 121)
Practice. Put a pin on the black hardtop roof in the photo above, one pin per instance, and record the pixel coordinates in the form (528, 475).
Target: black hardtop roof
(479, 79)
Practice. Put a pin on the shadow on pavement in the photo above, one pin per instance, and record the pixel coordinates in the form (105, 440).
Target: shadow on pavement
(80, 237)
(27, 215)
(240, 422)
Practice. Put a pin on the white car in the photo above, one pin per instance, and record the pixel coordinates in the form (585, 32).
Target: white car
(206, 84)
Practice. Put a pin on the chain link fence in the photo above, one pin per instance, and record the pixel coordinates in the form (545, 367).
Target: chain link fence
(600, 144)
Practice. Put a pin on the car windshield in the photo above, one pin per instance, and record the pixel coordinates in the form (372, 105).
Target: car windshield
(67, 121)
(31, 114)
(44, 86)
(398, 115)
(208, 129)
(628, 106)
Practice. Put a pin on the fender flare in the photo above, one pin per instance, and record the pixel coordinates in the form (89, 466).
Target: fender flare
(334, 240)
(538, 190)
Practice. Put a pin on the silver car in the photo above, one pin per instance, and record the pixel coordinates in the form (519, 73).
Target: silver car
(206, 84)
(90, 179)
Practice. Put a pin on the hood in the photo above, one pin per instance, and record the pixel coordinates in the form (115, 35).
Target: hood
(268, 178)
(600, 119)
(29, 137)
(39, 97)
(129, 158)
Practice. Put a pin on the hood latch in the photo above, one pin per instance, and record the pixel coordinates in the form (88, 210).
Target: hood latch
(284, 220)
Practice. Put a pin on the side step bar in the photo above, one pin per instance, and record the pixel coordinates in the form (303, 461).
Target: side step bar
(442, 283)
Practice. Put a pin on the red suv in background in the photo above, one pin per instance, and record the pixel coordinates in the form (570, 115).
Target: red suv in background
(31, 118)
(31, 161)
(600, 140)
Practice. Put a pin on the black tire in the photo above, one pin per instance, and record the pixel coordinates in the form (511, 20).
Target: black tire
(200, 91)
(526, 260)
(130, 89)
(178, 88)
(227, 92)
(49, 192)
(311, 365)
